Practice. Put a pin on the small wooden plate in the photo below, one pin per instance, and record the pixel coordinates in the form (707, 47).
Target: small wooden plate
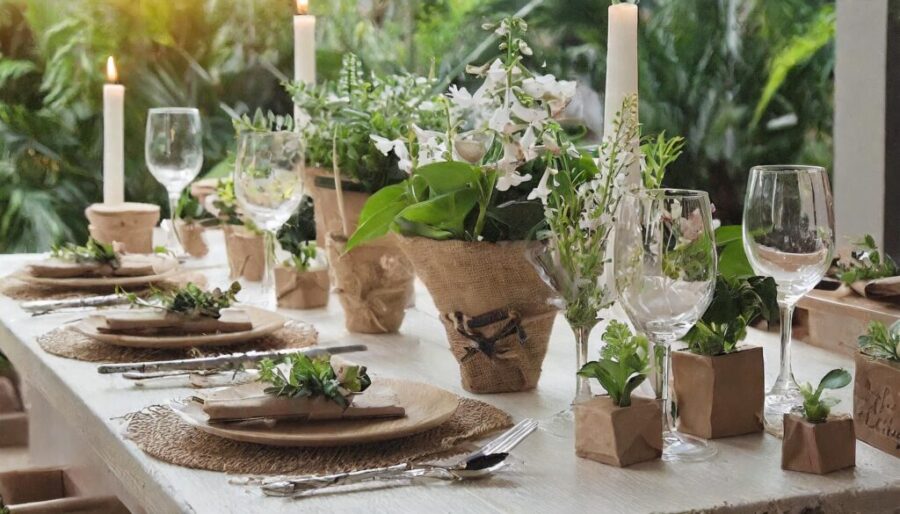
(168, 264)
(426, 407)
(264, 323)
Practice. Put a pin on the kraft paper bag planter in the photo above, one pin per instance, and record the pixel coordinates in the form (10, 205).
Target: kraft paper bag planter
(51, 491)
(301, 289)
(191, 237)
(130, 224)
(320, 186)
(494, 308)
(373, 283)
(719, 396)
(246, 253)
(618, 436)
(876, 403)
(818, 448)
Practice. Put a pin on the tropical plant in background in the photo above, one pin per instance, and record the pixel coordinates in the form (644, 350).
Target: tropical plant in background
(746, 82)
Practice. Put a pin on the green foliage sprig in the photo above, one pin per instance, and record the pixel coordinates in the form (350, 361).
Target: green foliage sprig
(297, 236)
(93, 251)
(658, 153)
(623, 364)
(312, 378)
(881, 342)
(866, 263)
(736, 303)
(190, 301)
(815, 408)
(190, 210)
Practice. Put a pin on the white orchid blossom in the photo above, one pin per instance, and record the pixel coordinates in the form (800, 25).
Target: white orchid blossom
(398, 146)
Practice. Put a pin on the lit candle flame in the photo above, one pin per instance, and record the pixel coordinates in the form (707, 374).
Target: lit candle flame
(112, 74)
(302, 6)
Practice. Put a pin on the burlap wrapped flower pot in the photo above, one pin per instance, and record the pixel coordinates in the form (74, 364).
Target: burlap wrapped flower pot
(494, 308)
(328, 216)
(246, 253)
(373, 283)
(301, 289)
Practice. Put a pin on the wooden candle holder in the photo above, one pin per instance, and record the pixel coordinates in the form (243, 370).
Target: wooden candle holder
(129, 224)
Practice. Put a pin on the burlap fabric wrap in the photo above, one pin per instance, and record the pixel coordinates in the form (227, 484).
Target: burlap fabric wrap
(476, 278)
(246, 253)
(301, 289)
(373, 282)
(162, 434)
(24, 291)
(320, 185)
(69, 343)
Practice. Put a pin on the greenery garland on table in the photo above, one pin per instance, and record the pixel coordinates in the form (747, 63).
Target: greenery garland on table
(307, 377)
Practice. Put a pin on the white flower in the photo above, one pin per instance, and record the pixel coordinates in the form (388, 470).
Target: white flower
(533, 115)
(500, 121)
(542, 191)
(508, 180)
(528, 145)
(496, 74)
(398, 146)
(461, 97)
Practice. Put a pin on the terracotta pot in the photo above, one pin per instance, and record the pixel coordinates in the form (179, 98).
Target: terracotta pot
(51, 491)
(618, 436)
(320, 186)
(301, 289)
(373, 283)
(130, 224)
(494, 307)
(246, 253)
(191, 236)
(818, 448)
(876, 403)
(719, 396)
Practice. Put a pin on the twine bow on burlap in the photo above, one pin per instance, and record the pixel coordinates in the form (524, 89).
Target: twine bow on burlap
(471, 327)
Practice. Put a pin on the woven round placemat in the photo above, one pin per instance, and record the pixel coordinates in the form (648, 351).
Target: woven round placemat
(160, 433)
(68, 342)
(25, 291)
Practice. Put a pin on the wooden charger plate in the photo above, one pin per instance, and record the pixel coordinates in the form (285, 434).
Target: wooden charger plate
(170, 268)
(264, 323)
(426, 407)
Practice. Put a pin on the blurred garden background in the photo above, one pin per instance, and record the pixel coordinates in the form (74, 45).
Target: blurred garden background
(745, 81)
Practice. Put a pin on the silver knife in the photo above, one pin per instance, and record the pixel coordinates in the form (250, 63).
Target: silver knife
(225, 362)
(38, 307)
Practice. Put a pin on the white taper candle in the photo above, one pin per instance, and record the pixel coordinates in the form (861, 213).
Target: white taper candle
(113, 137)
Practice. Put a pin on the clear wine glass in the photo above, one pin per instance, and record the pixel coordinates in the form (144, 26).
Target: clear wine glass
(665, 272)
(173, 149)
(268, 187)
(788, 235)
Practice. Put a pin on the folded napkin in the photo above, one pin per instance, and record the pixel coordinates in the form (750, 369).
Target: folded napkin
(159, 322)
(130, 265)
(250, 401)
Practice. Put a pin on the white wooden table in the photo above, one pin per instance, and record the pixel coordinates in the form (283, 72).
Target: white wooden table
(74, 422)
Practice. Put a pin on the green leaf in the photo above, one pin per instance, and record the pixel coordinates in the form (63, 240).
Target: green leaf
(729, 233)
(835, 379)
(446, 177)
(733, 261)
(447, 211)
(378, 214)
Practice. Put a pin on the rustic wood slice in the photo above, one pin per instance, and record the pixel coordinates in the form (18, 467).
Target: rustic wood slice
(166, 267)
(426, 407)
(264, 323)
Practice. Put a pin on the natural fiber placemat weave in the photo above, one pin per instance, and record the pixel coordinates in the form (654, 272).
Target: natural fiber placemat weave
(25, 291)
(160, 433)
(68, 342)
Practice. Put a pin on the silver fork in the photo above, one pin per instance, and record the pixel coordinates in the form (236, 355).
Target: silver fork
(481, 463)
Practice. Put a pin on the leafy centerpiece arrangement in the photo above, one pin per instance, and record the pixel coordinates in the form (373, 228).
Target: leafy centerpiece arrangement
(719, 385)
(815, 442)
(98, 260)
(301, 388)
(618, 429)
(301, 280)
(868, 271)
(876, 388)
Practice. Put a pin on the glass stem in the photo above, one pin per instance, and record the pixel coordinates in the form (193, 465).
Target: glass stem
(582, 384)
(661, 368)
(174, 242)
(268, 281)
(786, 375)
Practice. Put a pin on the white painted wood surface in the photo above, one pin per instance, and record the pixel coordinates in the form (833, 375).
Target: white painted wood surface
(76, 409)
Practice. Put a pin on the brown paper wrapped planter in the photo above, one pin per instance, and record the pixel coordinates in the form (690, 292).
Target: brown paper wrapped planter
(876, 403)
(202, 188)
(720, 396)
(818, 448)
(246, 253)
(130, 224)
(13, 429)
(476, 278)
(618, 436)
(373, 282)
(191, 237)
(301, 290)
(320, 186)
(9, 397)
(51, 491)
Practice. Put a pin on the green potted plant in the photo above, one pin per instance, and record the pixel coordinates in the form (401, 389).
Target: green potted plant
(814, 441)
(470, 210)
(301, 280)
(193, 219)
(876, 388)
(719, 383)
(619, 429)
(867, 271)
